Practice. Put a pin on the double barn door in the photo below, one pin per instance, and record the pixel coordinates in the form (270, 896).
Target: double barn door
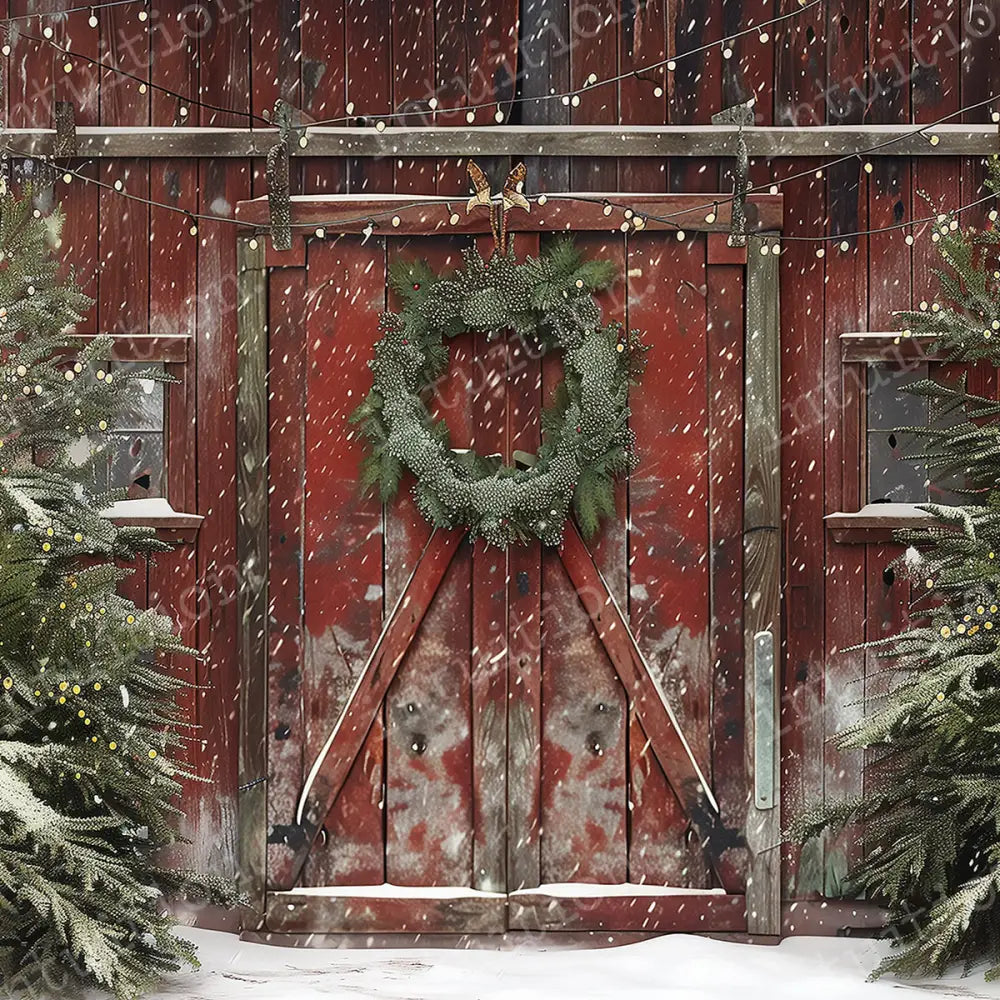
(536, 738)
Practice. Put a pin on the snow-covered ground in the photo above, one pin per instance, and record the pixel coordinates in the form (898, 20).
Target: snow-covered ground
(675, 967)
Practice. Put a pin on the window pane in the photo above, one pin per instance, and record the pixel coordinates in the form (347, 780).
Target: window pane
(888, 406)
(137, 463)
(894, 473)
(145, 408)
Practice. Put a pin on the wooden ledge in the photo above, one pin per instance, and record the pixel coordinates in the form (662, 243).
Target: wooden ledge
(886, 347)
(572, 211)
(155, 512)
(877, 522)
(462, 140)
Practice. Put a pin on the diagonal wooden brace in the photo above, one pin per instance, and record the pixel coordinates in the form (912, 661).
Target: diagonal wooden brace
(333, 763)
(657, 717)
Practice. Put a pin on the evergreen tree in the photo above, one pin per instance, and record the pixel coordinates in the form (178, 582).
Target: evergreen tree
(88, 719)
(930, 814)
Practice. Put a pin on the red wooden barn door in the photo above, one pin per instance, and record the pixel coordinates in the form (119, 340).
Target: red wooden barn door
(530, 739)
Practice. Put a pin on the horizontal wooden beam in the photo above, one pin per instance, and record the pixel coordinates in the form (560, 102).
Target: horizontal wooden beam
(671, 911)
(340, 213)
(519, 140)
(885, 347)
(377, 910)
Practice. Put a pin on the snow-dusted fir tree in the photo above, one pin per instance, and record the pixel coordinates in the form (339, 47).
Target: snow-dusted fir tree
(930, 814)
(87, 714)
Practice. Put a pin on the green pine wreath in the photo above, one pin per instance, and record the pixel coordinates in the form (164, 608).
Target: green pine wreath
(548, 302)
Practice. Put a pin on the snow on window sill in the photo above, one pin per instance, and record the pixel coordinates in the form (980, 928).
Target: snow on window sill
(156, 512)
(876, 522)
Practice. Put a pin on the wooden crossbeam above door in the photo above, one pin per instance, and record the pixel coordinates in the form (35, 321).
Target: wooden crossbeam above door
(647, 700)
(333, 764)
(621, 141)
(427, 216)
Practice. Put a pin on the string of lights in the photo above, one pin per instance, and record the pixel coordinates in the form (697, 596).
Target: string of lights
(143, 84)
(571, 98)
(92, 7)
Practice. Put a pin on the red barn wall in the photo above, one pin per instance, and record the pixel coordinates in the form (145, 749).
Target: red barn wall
(837, 62)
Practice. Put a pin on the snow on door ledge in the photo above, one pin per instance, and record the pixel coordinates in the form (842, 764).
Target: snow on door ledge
(566, 890)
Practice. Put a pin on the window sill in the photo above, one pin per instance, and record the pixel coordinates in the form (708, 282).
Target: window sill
(156, 512)
(876, 522)
(885, 347)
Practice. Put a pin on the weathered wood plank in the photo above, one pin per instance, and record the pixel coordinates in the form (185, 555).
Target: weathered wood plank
(584, 741)
(762, 575)
(429, 718)
(286, 498)
(412, 58)
(642, 97)
(724, 341)
(703, 141)
(524, 612)
(342, 568)
(804, 397)
(668, 504)
(378, 912)
(594, 47)
(675, 912)
(221, 185)
(252, 556)
(489, 635)
(322, 88)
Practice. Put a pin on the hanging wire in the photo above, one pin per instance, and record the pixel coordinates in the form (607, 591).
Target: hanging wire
(568, 95)
(638, 73)
(194, 102)
(68, 10)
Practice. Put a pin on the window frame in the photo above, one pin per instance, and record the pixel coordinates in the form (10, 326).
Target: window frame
(173, 352)
(876, 522)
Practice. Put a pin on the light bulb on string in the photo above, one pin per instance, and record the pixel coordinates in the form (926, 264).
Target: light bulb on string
(92, 20)
(714, 214)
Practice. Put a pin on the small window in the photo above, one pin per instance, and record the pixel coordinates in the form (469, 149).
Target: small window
(894, 474)
(147, 445)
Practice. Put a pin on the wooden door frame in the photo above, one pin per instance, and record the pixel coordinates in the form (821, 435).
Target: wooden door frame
(760, 912)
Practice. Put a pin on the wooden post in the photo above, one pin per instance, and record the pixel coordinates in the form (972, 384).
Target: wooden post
(762, 587)
(252, 557)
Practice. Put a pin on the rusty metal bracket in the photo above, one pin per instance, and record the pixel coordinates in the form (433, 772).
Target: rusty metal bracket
(739, 115)
(279, 199)
(65, 140)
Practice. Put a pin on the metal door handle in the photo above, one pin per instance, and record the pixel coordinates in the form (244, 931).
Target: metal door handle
(763, 720)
